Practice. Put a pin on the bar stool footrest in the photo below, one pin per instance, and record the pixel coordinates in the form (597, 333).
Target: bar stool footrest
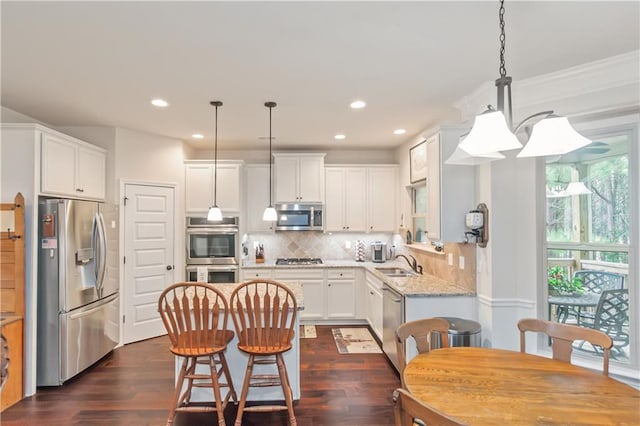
(265, 408)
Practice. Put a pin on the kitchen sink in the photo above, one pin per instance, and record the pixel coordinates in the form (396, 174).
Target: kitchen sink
(396, 272)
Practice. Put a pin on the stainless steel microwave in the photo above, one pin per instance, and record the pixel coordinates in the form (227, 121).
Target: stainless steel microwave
(299, 217)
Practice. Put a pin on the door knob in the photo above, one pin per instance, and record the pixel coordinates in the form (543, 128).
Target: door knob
(169, 267)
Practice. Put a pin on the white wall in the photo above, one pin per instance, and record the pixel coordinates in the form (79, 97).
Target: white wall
(144, 158)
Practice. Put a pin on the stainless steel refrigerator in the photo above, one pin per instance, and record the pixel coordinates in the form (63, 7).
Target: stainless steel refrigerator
(78, 281)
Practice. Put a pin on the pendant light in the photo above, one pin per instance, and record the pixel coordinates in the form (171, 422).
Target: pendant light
(215, 214)
(492, 131)
(270, 213)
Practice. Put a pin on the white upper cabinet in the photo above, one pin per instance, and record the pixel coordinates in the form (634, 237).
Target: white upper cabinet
(257, 197)
(382, 209)
(299, 178)
(450, 188)
(200, 177)
(70, 167)
(345, 208)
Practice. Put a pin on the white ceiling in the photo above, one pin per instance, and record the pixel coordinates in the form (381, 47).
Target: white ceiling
(99, 64)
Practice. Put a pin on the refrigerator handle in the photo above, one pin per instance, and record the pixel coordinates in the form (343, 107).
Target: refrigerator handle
(101, 256)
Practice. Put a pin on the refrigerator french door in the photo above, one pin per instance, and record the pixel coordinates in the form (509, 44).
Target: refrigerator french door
(78, 302)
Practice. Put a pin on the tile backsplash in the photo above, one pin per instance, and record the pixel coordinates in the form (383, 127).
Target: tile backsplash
(342, 247)
(312, 244)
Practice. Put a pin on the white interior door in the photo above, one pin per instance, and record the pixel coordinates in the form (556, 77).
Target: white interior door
(149, 252)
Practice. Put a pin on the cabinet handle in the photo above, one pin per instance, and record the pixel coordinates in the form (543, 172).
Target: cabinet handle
(329, 284)
(79, 190)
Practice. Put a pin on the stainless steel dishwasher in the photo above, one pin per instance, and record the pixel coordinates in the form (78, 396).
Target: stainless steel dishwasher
(392, 317)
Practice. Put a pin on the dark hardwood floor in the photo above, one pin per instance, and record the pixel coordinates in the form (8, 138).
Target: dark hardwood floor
(134, 384)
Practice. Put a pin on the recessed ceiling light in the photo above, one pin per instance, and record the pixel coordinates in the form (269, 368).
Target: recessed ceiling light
(160, 103)
(358, 104)
(197, 136)
(399, 131)
(339, 136)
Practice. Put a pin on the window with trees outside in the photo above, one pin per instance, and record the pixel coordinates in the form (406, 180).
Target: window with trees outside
(588, 217)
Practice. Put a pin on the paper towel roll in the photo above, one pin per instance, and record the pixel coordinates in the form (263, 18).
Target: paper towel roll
(202, 274)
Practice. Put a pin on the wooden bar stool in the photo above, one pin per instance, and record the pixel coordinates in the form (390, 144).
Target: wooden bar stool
(264, 314)
(195, 316)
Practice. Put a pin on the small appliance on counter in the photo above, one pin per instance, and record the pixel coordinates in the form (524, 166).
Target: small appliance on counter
(359, 251)
(378, 252)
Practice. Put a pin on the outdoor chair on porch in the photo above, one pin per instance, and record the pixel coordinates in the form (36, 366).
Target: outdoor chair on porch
(595, 282)
(612, 318)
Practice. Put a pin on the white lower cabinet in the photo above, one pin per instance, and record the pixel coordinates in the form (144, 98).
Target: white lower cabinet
(341, 293)
(313, 289)
(247, 274)
(374, 304)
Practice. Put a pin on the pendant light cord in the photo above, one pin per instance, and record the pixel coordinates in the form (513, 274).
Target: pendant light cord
(270, 105)
(215, 154)
(270, 157)
(215, 164)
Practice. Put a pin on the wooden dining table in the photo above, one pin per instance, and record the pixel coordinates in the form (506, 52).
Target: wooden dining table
(481, 386)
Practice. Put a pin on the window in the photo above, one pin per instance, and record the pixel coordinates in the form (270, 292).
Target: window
(588, 238)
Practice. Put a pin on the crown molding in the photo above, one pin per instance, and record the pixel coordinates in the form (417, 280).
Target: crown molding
(616, 77)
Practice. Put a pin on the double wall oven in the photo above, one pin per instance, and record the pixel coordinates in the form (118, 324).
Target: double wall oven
(212, 250)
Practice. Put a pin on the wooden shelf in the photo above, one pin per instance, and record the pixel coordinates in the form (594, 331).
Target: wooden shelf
(424, 247)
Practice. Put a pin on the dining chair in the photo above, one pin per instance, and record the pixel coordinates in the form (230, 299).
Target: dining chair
(410, 411)
(612, 318)
(264, 314)
(595, 282)
(423, 332)
(195, 316)
(562, 338)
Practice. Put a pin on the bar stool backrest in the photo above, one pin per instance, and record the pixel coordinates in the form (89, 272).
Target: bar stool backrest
(195, 316)
(264, 314)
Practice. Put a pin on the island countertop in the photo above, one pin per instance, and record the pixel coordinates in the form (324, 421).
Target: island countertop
(296, 289)
(412, 286)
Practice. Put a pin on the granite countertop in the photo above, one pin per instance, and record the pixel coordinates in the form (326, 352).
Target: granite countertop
(414, 286)
(296, 288)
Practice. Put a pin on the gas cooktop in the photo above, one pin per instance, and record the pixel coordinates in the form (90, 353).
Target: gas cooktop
(298, 261)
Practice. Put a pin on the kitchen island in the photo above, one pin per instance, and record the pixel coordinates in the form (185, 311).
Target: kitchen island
(237, 360)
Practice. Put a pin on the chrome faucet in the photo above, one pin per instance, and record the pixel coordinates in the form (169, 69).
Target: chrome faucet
(413, 263)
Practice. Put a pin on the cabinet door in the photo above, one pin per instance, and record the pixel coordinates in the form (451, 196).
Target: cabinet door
(198, 187)
(374, 306)
(433, 215)
(228, 188)
(313, 284)
(382, 199)
(334, 211)
(355, 189)
(311, 174)
(257, 273)
(58, 166)
(286, 179)
(257, 197)
(313, 292)
(341, 301)
(91, 172)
